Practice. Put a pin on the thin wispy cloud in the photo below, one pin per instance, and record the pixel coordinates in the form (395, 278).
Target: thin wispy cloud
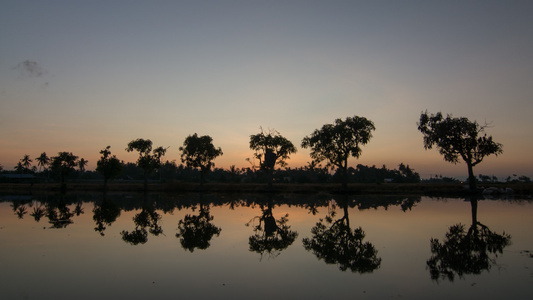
(29, 68)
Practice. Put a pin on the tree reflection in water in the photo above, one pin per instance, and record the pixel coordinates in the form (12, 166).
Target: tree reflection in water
(59, 214)
(335, 243)
(38, 212)
(197, 231)
(105, 213)
(149, 219)
(271, 236)
(19, 209)
(466, 252)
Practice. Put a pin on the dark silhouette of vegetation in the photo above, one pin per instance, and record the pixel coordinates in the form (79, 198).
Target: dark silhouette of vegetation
(196, 232)
(59, 214)
(465, 252)
(63, 164)
(42, 161)
(146, 221)
(270, 149)
(25, 163)
(335, 243)
(148, 161)
(199, 153)
(104, 214)
(109, 166)
(458, 138)
(271, 236)
(335, 143)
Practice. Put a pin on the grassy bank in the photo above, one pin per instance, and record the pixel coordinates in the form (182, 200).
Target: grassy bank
(181, 187)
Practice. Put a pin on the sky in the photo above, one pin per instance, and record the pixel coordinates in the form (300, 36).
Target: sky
(78, 76)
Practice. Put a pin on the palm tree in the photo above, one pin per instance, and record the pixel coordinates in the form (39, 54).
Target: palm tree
(82, 163)
(26, 162)
(42, 161)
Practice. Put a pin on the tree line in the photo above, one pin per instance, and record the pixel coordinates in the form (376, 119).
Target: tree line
(333, 144)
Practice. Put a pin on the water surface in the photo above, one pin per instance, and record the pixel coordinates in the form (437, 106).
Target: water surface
(260, 247)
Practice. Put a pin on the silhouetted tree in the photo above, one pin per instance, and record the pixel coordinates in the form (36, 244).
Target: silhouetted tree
(148, 161)
(64, 164)
(197, 231)
(270, 149)
(198, 153)
(82, 163)
(458, 137)
(270, 235)
(336, 243)
(465, 252)
(26, 163)
(335, 143)
(109, 166)
(42, 161)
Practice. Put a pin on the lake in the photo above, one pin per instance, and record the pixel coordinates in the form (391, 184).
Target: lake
(135, 246)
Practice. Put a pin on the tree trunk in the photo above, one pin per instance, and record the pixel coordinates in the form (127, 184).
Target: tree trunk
(145, 182)
(270, 178)
(471, 177)
(345, 176)
(473, 203)
(202, 179)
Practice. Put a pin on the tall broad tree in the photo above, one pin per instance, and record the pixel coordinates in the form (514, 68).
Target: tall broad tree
(148, 160)
(109, 166)
(64, 163)
(336, 143)
(458, 138)
(199, 152)
(270, 149)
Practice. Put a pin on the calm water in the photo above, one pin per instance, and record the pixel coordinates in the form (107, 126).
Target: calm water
(259, 247)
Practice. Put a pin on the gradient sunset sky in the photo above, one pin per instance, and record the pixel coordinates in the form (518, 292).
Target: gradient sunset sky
(80, 75)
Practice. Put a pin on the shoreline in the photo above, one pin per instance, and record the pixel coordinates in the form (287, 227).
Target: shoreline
(426, 189)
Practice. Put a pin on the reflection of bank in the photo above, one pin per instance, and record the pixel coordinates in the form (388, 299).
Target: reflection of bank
(197, 231)
(335, 243)
(271, 235)
(466, 252)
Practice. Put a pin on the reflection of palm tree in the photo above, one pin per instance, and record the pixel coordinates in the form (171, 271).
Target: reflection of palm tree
(465, 252)
(271, 235)
(104, 215)
(147, 218)
(19, 210)
(336, 243)
(197, 231)
(38, 213)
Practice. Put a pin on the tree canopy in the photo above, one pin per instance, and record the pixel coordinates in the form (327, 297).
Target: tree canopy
(199, 153)
(458, 138)
(335, 143)
(270, 149)
(109, 166)
(148, 160)
(64, 163)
